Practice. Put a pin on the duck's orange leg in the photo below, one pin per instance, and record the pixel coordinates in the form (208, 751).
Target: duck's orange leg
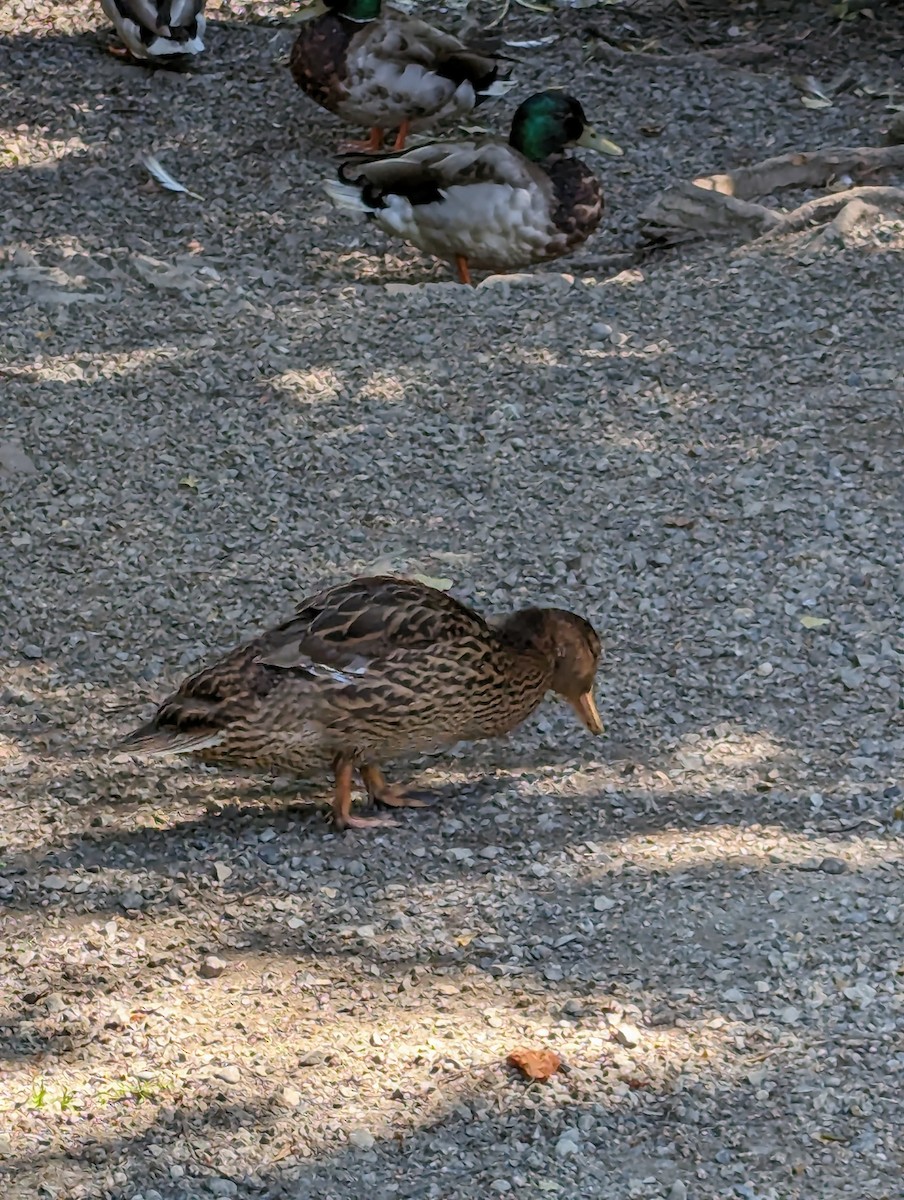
(392, 794)
(373, 145)
(342, 800)
(464, 274)
(404, 128)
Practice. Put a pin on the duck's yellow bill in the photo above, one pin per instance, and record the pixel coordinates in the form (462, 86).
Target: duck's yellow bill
(585, 707)
(591, 140)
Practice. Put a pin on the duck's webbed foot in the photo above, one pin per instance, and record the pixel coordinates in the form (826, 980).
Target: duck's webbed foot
(372, 145)
(342, 801)
(393, 795)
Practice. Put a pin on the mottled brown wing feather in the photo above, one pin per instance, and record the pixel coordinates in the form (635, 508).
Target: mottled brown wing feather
(367, 618)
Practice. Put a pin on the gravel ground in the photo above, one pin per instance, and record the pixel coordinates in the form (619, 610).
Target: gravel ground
(211, 408)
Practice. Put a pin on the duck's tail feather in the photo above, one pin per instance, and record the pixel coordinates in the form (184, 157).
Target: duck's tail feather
(151, 740)
(500, 87)
(347, 197)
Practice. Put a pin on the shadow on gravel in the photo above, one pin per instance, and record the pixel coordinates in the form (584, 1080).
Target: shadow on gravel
(466, 1130)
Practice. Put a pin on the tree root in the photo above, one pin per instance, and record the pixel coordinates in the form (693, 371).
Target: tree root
(858, 200)
(720, 205)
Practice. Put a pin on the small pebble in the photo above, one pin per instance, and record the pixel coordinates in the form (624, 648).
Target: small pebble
(568, 1144)
(627, 1035)
(362, 1139)
(212, 967)
(833, 866)
(221, 1187)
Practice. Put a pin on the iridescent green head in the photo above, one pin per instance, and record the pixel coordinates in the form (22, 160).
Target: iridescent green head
(549, 122)
(355, 10)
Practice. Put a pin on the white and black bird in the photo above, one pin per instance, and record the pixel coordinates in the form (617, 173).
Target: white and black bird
(488, 203)
(158, 30)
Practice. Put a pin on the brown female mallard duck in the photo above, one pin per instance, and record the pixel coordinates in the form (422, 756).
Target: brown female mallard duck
(371, 669)
(493, 204)
(387, 70)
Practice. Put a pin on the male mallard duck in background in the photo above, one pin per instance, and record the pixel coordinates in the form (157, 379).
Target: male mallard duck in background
(158, 30)
(371, 669)
(491, 204)
(387, 70)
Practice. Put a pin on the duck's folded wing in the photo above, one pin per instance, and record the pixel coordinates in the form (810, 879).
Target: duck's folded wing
(423, 174)
(401, 38)
(397, 36)
(183, 12)
(345, 628)
(160, 16)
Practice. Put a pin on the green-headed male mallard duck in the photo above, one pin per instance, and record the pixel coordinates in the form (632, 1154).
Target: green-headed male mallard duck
(371, 669)
(488, 204)
(158, 30)
(387, 70)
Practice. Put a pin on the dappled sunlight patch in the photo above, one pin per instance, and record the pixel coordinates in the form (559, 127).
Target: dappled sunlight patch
(273, 1035)
(387, 385)
(21, 148)
(311, 386)
(84, 367)
(726, 748)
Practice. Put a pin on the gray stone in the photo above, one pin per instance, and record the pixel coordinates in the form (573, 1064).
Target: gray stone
(568, 1143)
(218, 1186)
(14, 460)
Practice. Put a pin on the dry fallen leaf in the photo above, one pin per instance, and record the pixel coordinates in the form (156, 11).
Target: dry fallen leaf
(814, 622)
(677, 521)
(535, 1064)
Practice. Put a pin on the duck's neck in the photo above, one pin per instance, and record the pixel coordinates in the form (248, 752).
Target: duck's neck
(528, 631)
